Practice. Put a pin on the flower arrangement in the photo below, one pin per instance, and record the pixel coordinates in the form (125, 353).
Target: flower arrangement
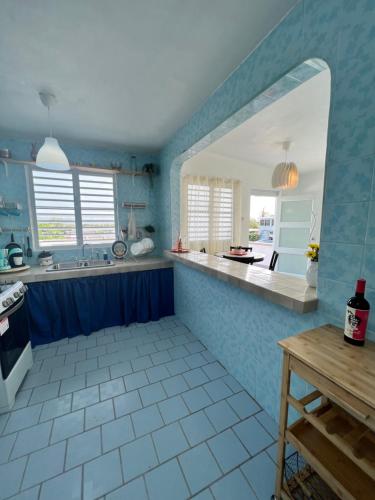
(313, 252)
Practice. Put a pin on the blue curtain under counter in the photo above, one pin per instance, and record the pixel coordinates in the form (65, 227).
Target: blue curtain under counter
(80, 306)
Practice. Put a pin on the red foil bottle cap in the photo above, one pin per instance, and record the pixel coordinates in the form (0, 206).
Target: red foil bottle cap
(361, 285)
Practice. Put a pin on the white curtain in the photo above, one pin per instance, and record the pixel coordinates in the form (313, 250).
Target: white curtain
(210, 213)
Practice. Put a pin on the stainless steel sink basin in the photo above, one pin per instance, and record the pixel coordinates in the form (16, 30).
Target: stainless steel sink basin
(80, 264)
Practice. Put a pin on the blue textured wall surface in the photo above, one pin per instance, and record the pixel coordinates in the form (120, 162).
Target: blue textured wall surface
(342, 33)
(239, 329)
(13, 187)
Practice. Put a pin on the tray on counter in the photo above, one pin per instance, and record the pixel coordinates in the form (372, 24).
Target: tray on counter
(15, 269)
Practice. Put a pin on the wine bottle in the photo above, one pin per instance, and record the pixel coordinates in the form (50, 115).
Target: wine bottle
(357, 312)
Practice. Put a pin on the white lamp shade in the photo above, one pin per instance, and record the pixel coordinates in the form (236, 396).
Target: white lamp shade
(285, 176)
(51, 156)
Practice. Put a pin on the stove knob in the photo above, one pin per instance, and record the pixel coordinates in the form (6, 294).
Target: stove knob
(5, 303)
(21, 291)
(16, 295)
(9, 301)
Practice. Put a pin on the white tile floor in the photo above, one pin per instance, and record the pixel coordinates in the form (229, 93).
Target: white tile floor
(136, 413)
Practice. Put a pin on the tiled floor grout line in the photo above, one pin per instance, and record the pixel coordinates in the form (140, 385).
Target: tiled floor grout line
(82, 481)
(11, 451)
(264, 427)
(146, 487)
(177, 458)
(23, 474)
(247, 481)
(65, 454)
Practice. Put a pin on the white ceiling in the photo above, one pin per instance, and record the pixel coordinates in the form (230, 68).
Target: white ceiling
(126, 73)
(301, 116)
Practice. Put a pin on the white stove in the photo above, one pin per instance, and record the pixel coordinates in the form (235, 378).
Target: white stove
(10, 293)
(15, 347)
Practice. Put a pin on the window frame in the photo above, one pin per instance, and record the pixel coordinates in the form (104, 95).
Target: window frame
(77, 208)
(209, 228)
(212, 183)
(212, 219)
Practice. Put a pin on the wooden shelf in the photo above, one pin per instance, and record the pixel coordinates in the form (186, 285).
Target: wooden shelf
(345, 478)
(86, 168)
(350, 435)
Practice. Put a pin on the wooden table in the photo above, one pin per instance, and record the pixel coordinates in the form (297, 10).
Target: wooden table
(247, 258)
(336, 437)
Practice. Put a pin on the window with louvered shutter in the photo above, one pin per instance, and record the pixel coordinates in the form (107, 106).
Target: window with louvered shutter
(54, 208)
(198, 203)
(222, 213)
(72, 208)
(210, 212)
(97, 208)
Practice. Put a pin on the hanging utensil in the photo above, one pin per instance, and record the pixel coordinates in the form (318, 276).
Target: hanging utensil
(119, 248)
(29, 252)
(132, 226)
(12, 243)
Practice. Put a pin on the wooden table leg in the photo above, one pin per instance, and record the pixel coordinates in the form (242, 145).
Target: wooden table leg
(283, 422)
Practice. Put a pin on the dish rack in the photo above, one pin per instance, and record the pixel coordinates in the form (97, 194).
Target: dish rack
(10, 208)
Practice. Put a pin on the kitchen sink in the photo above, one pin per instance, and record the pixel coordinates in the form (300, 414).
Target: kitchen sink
(80, 264)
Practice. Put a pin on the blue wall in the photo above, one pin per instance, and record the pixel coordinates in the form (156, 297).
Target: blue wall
(240, 330)
(13, 187)
(342, 33)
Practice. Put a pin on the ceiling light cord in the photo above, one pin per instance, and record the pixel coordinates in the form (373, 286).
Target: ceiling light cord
(49, 120)
(286, 147)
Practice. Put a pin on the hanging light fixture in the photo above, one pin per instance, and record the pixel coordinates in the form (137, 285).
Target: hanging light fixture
(50, 156)
(285, 175)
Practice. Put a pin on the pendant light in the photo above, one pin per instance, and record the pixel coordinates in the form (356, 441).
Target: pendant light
(50, 156)
(285, 175)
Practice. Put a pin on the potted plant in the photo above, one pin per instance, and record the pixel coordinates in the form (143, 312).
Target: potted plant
(150, 169)
(45, 258)
(312, 270)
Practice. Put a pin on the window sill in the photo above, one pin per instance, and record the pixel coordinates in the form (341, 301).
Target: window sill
(286, 291)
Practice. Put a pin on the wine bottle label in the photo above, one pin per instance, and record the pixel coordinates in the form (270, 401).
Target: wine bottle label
(356, 323)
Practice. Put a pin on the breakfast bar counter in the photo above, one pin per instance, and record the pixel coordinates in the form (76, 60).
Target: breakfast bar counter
(288, 291)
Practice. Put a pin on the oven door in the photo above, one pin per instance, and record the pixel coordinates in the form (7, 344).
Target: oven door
(14, 335)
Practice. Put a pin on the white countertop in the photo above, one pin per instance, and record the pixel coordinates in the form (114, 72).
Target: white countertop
(288, 291)
(37, 273)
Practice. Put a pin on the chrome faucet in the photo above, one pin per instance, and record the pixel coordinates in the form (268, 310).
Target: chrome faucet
(83, 249)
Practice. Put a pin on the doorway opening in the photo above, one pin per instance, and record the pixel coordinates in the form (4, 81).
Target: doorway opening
(262, 225)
